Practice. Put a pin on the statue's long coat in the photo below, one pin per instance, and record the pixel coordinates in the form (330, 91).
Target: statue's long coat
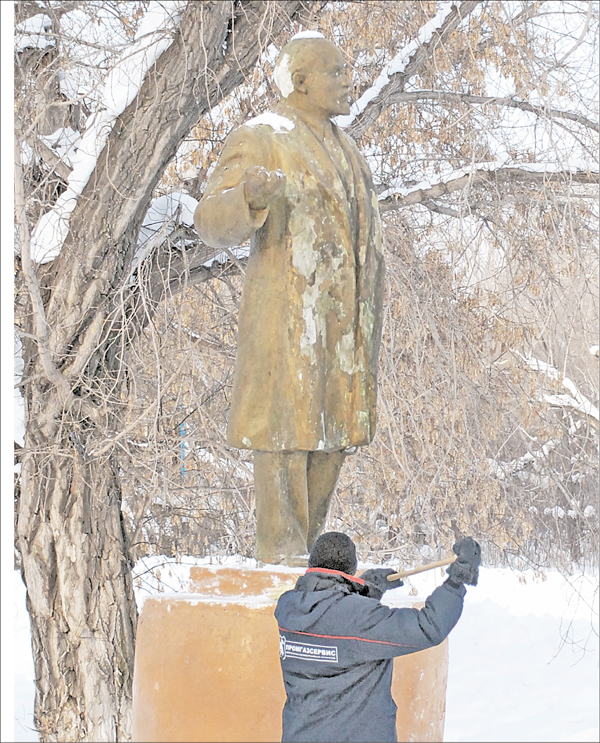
(311, 308)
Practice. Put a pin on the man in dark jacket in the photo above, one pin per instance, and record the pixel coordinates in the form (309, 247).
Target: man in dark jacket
(337, 641)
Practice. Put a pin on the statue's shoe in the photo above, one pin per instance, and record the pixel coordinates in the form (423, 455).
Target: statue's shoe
(292, 561)
(296, 561)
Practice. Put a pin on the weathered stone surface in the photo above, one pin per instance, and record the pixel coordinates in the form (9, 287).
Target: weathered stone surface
(310, 316)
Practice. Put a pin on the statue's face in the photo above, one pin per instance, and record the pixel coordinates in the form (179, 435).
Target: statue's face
(327, 84)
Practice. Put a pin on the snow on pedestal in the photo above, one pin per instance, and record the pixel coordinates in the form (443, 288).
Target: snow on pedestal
(207, 663)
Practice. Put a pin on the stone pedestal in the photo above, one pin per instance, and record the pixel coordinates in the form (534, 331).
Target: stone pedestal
(207, 664)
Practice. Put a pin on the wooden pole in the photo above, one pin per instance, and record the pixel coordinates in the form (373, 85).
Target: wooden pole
(422, 569)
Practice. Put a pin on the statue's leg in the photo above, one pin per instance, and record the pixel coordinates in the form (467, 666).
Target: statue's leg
(281, 505)
(323, 471)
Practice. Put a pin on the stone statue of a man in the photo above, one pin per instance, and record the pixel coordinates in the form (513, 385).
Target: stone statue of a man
(310, 316)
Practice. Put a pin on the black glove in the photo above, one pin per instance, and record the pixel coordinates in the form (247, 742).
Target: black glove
(465, 569)
(377, 582)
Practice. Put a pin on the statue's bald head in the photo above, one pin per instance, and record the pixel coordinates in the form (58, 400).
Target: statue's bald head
(311, 75)
(302, 53)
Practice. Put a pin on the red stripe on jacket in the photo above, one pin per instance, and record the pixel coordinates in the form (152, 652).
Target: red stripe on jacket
(342, 637)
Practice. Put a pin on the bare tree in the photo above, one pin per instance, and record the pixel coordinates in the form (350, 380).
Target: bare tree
(75, 555)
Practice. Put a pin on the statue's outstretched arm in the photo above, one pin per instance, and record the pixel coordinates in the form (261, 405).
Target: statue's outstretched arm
(224, 218)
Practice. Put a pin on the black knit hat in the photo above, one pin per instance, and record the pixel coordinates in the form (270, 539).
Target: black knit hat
(334, 551)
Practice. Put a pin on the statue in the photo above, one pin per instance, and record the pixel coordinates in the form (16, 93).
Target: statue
(305, 384)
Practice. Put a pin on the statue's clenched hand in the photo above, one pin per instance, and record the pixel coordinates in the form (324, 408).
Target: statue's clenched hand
(261, 187)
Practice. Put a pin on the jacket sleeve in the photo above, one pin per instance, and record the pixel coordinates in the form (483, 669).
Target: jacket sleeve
(223, 219)
(387, 632)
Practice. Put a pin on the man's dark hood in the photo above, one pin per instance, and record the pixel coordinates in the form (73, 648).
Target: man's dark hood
(322, 579)
(315, 593)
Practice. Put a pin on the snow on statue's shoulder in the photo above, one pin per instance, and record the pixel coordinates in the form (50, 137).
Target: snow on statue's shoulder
(277, 122)
(307, 35)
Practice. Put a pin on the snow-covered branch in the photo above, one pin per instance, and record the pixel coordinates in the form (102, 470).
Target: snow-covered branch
(172, 216)
(397, 65)
(575, 400)
(164, 214)
(120, 87)
(31, 33)
(499, 170)
(407, 62)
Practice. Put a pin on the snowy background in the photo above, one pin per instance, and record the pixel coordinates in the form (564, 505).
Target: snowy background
(523, 658)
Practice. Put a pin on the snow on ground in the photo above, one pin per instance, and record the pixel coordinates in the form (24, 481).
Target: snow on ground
(23, 665)
(523, 657)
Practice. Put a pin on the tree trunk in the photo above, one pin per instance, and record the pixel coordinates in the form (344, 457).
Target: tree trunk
(79, 589)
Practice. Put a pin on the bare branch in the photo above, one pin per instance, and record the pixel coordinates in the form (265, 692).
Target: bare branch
(50, 157)
(510, 174)
(52, 372)
(178, 262)
(508, 101)
(107, 445)
(530, 11)
(441, 209)
(584, 31)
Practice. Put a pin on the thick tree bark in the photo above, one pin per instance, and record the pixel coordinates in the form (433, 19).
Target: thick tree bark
(74, 549)
(79, 590)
